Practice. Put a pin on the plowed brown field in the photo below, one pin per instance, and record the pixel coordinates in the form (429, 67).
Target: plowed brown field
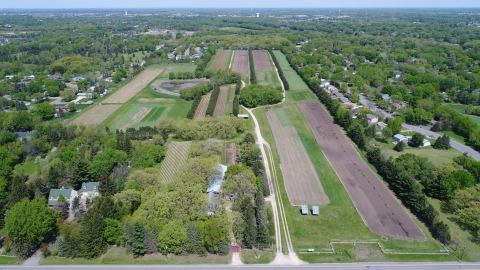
(378, 206)
(240, 63)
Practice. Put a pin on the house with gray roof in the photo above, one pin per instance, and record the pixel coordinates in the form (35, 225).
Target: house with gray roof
(90, 189)
(67, 193)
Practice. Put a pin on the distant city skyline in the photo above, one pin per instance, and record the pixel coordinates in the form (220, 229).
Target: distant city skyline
(240, 4)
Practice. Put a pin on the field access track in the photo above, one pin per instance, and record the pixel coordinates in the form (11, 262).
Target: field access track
(101, 111)
(378, 206)
(301, 180)
(240, 63)
(175, 160)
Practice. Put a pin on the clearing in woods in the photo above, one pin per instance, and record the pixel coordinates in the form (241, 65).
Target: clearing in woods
(220, 61)
(240, 63)
(175, 159)
(381, 211)
(301, 181)
(202, 107)
(264, 69)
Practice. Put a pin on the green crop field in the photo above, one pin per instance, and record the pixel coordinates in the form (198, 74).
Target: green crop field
(150, 107)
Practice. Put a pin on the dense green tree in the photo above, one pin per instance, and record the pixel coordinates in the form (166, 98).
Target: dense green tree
(442, 142)
(114, 232)
(137, 241)
(91, 242)
(27, 224)
(172, 238)
(417, 140)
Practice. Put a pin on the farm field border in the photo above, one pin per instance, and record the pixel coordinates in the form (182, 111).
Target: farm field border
(303, 227)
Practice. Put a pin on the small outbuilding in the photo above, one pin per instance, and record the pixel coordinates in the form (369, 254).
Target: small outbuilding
(304, 209)
(315, 210)
(243, 115)
(400, 138)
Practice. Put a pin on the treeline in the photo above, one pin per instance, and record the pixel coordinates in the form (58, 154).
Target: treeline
(236, 100)
(280, 70)
(217, 78)
(404, 186)
(201, 69)
(195, 103)
(257, 95)
(182, 75)
(213, 100)
(253, 76)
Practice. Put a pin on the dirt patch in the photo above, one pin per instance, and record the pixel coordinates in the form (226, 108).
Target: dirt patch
(202, 107)
(231, 154)
(301, 180)
(95, 115)
(262, 60)
(221, 106)
(134, 87)
(220, 61)
(240, 63)
(378, 206)
(173, 87)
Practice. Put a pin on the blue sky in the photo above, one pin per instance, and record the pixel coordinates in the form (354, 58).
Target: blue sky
(229, 3)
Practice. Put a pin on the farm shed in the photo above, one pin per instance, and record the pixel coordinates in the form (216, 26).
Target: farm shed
(315, 210)
(304, 209)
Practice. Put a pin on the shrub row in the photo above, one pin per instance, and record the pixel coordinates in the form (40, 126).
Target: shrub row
(193, 108)
(253, 76)
(404, 186)
(280, 71)
(213, 100)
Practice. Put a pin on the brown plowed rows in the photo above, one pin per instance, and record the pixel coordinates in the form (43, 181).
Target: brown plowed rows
(262, 61)
(377, 205)
(202, 107)
(220, 60)
(222, 100)
(95, 115)
(240, 63)
(301, 180)
(175, 159)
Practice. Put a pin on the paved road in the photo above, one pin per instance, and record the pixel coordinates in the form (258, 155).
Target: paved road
(336, 266)
(425, 130)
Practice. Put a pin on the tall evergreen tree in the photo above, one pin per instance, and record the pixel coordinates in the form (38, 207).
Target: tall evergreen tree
(92, 241)
(138, 248)
(261, 220)
(80, 174)
(248, 214)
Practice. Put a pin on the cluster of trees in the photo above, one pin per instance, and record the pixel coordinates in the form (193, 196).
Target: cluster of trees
(227, 127)
(201, 69)
(257, 95)
(212, 103)
(472, 110)
(181, 75)
(280, 71)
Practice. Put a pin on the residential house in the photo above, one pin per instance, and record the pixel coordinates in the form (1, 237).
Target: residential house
(67, 193)
(90, 189)
(372, 119)
(400, 138)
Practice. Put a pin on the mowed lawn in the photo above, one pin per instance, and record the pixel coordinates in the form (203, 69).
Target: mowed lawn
(150, 107)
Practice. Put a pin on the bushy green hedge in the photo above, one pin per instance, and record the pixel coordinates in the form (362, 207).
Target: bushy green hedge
(213, 100)
(253, 76)
(256, 95)
(280, 71)
(193, 108)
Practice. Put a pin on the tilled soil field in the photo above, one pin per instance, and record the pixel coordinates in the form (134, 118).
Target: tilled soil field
(95, 115)
(262, 61)
(301, 180)
(221, 105)
(378, 206)
(202, 107)
(220, 60)
(134, 87)
(240, 63)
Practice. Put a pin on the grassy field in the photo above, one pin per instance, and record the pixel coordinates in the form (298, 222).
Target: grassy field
(338, 220)
(439, 158)
(220, 61)
(461, 109)
(250, 256)
(149, 107)
(116, 255)
(5, 260)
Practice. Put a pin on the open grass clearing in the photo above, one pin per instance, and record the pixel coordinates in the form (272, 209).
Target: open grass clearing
(461, 109)
(6, 260)
(250, 256)
(175, 158)
(220, 61)
(439, 158)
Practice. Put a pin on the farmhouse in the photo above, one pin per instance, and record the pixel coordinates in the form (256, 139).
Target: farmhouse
(67, 193)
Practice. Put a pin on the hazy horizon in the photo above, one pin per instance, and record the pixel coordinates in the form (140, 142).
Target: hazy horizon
(48, 4)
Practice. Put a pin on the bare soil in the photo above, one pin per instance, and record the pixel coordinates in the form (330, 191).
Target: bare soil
(134, 87)
(220, 61)
(378, 206)
(262, 61)
(202, 107)
(301, 180)
(240, 63)
(231, 154)
(221, 106)
(95, 115)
